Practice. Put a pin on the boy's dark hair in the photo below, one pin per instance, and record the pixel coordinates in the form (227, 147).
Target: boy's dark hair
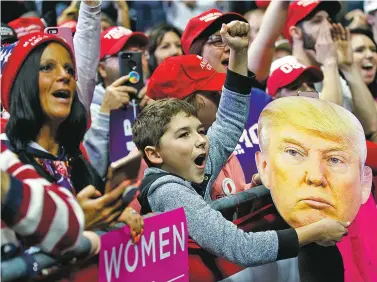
(153, 121)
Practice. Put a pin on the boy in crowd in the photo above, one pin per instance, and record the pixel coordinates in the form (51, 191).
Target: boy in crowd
(177, 151)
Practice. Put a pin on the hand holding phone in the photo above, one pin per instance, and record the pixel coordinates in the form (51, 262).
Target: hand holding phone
(130, 64)
(126, 168)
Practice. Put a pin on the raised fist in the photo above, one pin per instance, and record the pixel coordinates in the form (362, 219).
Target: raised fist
(236, 35)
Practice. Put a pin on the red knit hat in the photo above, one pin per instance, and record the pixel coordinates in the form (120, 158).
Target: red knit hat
(211, 19)
(13, 56)
(298, 10)
(179, 77)
(25, 26)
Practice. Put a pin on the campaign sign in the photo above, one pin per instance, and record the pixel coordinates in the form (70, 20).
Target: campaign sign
(248, 144)
(161, 255)
(121, 122)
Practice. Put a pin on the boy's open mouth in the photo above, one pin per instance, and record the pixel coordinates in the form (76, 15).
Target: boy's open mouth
(200, 160)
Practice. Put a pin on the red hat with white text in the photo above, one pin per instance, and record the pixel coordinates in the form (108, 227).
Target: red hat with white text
(210, 21)
(286, 70)
(114, 38)
(13, 55)
(25, 26)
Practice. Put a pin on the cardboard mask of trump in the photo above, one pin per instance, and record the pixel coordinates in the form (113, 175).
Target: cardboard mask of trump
(313, 160)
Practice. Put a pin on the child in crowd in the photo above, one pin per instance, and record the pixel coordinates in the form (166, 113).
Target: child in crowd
(180, 156)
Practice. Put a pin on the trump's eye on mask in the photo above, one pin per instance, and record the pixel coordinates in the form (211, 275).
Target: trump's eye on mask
(312, 159)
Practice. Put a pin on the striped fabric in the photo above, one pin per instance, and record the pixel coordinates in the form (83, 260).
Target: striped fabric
(40, 213)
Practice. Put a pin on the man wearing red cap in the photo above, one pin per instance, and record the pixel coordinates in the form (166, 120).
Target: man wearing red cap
(289, 77)
(317, 42)
(111, 93)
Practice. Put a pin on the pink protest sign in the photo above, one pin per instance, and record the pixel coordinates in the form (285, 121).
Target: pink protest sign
(160, 255)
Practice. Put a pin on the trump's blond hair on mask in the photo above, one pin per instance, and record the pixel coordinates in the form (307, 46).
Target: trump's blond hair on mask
(314, 116)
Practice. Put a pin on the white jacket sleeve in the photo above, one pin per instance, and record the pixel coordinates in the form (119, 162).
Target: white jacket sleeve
(87, 50)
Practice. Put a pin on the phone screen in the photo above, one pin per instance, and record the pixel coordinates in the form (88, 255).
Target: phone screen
(130, 64)
(126, 168)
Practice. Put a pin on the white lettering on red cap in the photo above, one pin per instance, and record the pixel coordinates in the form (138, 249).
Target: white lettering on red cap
(204, 63)
(117, 33)
(34, 40)
(21, 31)
(288, 67)
(305, 3)
(210, 17)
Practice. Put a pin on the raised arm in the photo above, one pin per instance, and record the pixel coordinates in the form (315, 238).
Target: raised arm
(262, 49)
(325, 53)
(87, 48)
(363, 102)
(234, 104)
(123, 18)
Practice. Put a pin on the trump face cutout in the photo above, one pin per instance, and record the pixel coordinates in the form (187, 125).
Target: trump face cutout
(312, 160)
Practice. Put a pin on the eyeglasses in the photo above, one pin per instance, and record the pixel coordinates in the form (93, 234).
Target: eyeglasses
(216, 41)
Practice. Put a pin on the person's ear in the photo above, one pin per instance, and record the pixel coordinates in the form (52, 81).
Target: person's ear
(153, 155)
(262, 166)
(102, 70)
(295, 32)
(366, 185)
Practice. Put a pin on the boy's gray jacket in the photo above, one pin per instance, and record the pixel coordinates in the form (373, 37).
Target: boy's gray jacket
(206, 226)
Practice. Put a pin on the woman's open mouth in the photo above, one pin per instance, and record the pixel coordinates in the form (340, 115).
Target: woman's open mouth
(62, 95)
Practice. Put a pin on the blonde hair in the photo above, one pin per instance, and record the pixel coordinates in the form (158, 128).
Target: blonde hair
(320, 118)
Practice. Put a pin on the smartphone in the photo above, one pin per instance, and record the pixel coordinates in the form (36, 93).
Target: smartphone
(130, 64)
(126, 168)
(310, 94)
(62, 31)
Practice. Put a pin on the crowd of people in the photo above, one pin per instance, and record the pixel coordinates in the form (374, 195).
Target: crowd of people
(301, 73)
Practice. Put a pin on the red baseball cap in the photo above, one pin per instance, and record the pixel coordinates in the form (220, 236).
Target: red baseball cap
(179, 77)
(24, 26)
(210, 21)
(114, 38)
(298, 10)
(286, 70)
